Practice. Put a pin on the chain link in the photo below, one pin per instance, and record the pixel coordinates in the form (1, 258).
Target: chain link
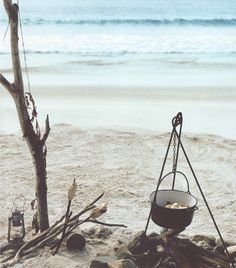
(174, 153)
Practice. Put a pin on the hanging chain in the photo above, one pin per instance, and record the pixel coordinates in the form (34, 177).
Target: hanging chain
(174, 153)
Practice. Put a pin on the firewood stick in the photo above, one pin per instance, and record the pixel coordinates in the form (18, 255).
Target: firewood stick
(107, 224)
(71, 195)
(68, 214)
(95, 200)
(76, 224)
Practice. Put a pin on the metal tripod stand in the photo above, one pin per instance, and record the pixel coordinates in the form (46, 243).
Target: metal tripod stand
(177, 123)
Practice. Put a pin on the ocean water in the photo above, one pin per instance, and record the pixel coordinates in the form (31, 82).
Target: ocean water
(139, 42)
(178, 44)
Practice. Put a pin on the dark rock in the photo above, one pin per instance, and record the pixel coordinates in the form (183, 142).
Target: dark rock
(219, 250)
(123, 264)
(90, 232)
(138, 244)
(142, 243)
(232, 251)
(124, 253)
(203, 244)
(98, 264)
(153, 234)
(104, 233)
(101, 262)
(210, 240)
(227, 243)
(128, 264)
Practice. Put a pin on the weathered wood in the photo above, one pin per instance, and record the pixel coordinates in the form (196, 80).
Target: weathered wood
(71, 195)
(107, 224)
(142, 243)
(187, 253)
(6, 84)
(75, 241)
(68, 215)
(88, 207)
(35, 144)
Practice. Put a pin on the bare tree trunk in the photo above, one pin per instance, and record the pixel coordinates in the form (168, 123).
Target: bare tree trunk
(35, 143)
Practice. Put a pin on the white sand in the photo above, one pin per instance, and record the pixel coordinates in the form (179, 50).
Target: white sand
(125, 165)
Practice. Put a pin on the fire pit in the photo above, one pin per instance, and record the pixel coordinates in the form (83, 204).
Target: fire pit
(171, 208)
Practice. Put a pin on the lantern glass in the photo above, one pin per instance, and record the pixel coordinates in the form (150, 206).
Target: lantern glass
(16, 218)
(16, 233)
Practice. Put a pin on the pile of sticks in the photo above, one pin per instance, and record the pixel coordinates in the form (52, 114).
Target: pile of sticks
(64, 227)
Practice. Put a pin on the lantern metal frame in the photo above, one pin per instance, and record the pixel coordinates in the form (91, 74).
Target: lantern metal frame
(16, 219)
(177, 123)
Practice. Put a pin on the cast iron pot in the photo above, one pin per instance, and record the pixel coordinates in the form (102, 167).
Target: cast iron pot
(172, 218)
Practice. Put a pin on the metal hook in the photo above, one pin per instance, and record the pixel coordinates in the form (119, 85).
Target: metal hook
(177, 120)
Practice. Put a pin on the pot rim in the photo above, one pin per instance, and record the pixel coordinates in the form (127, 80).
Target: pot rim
(163, 190)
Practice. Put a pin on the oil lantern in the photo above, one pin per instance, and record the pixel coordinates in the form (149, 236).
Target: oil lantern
(16, 224)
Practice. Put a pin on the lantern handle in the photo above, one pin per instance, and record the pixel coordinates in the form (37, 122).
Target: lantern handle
(14, 201)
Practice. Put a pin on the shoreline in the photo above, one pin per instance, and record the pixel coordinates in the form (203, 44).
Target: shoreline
(206, 110)
(198, 93)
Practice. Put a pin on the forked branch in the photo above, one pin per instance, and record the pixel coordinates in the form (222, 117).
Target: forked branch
(6, 84)
(47, 130)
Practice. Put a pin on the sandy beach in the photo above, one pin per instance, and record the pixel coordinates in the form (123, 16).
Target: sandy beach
(125, 165)
(113, 140)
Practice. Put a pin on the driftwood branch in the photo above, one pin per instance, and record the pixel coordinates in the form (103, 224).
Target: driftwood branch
(95, 200)
(6, 84)
(16, 89)
(68, 215)
(47, 130)
(12, 11)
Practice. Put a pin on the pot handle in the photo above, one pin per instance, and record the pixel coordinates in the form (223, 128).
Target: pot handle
(179, 172)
